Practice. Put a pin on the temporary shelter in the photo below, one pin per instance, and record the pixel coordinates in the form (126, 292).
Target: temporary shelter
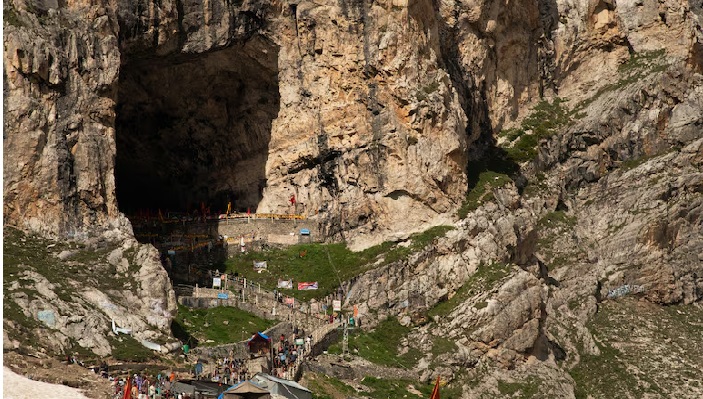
(259, 342)
(198, 389)
(286, 388)
(246, 390)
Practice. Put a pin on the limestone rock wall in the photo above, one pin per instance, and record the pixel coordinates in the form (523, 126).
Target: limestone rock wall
(379, 101)
(60, 70)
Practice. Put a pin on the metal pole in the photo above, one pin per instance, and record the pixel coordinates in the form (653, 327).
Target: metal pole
(345, 340)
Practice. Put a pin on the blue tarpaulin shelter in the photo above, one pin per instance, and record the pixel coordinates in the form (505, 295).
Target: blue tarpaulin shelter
(259, 342)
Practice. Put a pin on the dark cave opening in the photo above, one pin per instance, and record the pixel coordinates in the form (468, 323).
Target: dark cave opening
(193, 131)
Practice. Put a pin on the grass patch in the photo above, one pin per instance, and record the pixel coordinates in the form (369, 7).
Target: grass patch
(485, 278)
(642, 60)
(637, 67)
(10, 15)
(380, 346)
(557, 218)
(127, 349)
(326, 387)
(491, 171)
(383, 389)
(208, 324)
(328, 264)
(482, 192)
(525, 389)
(602, 375)
(544, 121)
(442, 345)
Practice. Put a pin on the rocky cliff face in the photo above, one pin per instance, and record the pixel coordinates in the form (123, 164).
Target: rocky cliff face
(533, 285)
(362, 110)
(575, 127)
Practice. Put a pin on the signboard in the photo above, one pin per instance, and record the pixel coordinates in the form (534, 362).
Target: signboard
(336, 305)
(171, 252)
(222, 295)
(290, 301)
(285, 284)
(260, 265)
(304, 232)
(307, 286)
(216, 282)
(299, 341)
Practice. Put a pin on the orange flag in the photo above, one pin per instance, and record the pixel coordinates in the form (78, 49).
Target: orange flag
(128, 389)
(435, 391)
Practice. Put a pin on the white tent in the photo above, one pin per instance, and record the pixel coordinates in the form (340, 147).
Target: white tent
(285, 388)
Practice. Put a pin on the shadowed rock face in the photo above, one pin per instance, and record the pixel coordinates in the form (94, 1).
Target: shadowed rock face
(194, 130)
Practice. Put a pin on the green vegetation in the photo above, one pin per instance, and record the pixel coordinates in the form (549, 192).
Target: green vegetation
(442, 345)
(493, 170)
(328, 264)
(603, 374)
(427, 90)
(198, 326)
(637, 67)
(557, 218)
(525, 389)
(544, 121)
(324, 387)
(380, 346)
(482, 192)
(88, 266)
(383, 389)
(10, 15)
(128, 349)
(485, 278)
(642, 60)
(536, 186)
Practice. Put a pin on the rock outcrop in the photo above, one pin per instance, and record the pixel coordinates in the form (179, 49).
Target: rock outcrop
(63, 298)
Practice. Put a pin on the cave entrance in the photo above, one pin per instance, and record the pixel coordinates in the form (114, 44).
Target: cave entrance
(193, 130)
(192, 136)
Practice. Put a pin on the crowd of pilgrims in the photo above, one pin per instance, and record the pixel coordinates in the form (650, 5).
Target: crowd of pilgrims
(228, 371)
(285, 354)
(141, 387)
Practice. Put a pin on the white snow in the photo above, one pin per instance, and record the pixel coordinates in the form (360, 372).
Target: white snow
(16, 386)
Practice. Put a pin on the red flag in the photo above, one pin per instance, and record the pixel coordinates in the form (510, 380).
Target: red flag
(127, 389)
(435, 391)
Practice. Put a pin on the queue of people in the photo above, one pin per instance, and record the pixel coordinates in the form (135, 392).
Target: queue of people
(138, 386)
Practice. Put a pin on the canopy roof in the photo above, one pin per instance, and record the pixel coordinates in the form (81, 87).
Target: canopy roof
(246, 387)
(259, 336)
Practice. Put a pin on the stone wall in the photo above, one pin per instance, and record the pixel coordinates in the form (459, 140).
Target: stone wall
(263, 228)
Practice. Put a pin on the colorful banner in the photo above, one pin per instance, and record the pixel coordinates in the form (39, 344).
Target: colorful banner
(337, 305)
(290, 301)
(288, 284)
(307, 286)
(260, 265)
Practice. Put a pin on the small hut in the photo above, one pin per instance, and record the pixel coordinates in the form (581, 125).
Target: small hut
(259, 343)
(246, 390)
